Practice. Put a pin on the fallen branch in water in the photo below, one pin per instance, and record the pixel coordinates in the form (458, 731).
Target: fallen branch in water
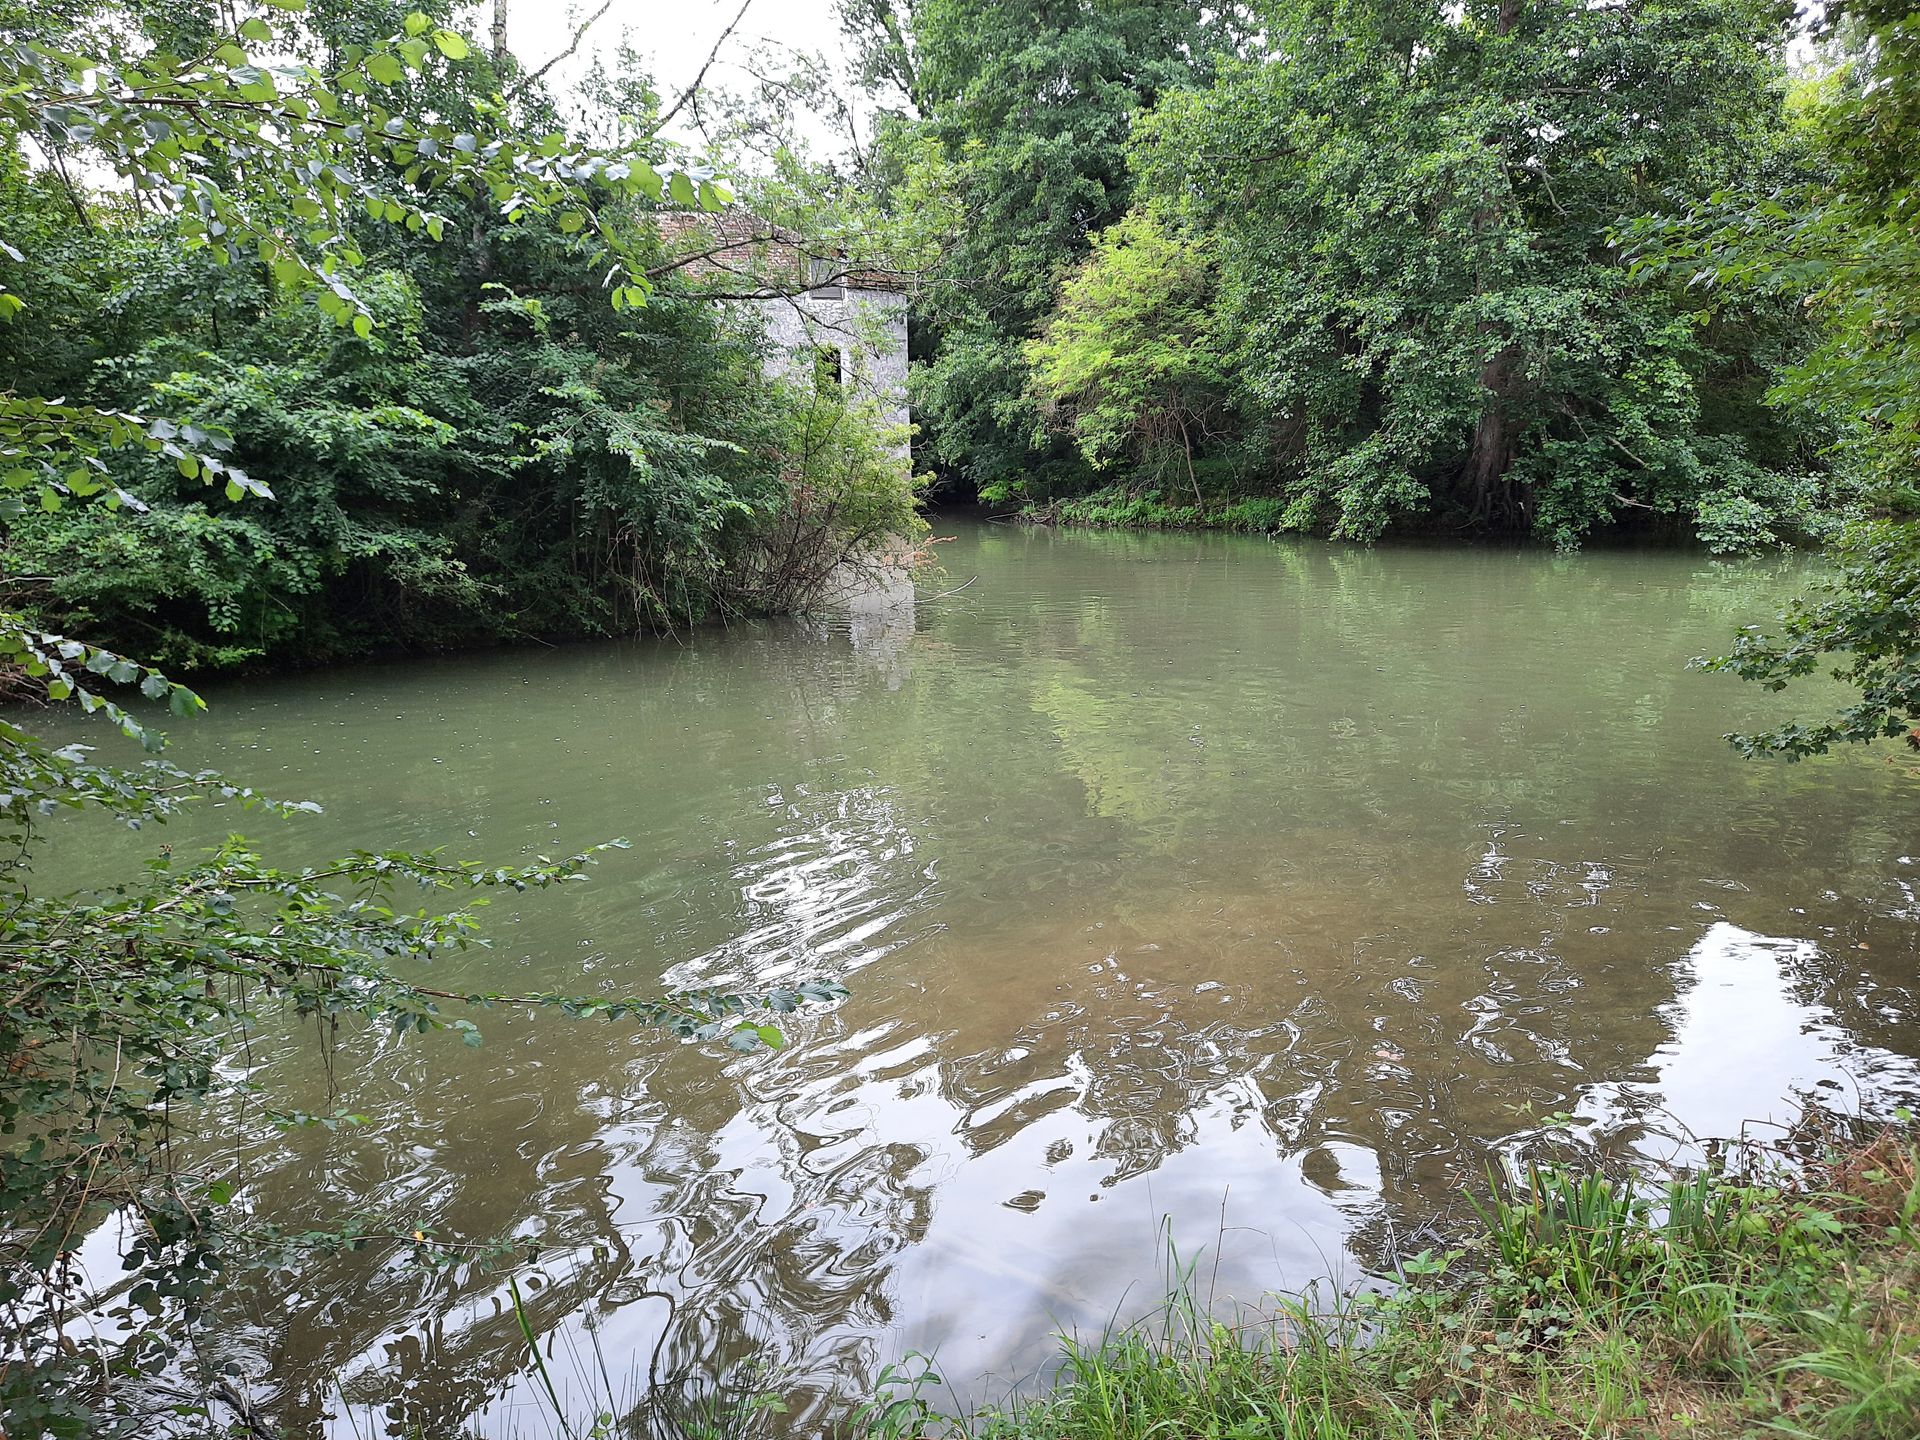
(945, 593)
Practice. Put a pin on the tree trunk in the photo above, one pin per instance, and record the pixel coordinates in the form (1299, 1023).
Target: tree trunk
(1186, 444)
(500, 33)
(1492, 503)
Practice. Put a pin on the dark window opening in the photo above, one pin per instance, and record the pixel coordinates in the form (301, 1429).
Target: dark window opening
(827, 368)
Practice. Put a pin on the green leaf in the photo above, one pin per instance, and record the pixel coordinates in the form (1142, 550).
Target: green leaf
(256, 29)
(681, 188)
(451, 44)
(386, 67)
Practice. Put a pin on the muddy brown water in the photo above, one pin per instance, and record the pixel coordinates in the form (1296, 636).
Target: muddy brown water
(1218, 897)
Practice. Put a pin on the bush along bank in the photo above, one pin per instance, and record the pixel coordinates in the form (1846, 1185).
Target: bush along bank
(1772, 1294)
(1118, 509)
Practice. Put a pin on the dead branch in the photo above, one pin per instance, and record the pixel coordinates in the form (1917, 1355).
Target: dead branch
(574, 44)
(701, 75)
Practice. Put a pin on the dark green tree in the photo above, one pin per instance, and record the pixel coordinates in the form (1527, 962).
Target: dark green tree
(483, 448)
(1843, 244)
(1429, 319)
(1033, 104)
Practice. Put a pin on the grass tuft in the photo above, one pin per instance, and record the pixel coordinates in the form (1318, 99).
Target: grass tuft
(1773, 1294)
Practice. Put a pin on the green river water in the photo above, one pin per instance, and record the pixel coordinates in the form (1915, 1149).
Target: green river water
(1244, 895)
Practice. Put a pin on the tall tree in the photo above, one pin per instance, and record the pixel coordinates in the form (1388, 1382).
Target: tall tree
(1415, 208)
(1033, 103)
(1842, 244)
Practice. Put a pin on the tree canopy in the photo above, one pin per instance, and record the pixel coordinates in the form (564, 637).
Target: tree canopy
(1514, 268)
(1031, 106)
(1843, 243)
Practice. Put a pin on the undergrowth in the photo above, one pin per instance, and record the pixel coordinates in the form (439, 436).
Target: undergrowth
(1772, 1294)
(1115, 509)
(1769, 1294)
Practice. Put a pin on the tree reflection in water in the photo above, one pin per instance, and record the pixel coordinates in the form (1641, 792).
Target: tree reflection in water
(1256, 892)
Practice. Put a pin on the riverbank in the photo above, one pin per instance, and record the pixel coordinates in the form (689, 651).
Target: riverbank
(1120, 509)
(1775, 1296)
(1117, 509)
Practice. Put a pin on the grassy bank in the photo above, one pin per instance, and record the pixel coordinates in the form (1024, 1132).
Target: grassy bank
(1772, 1297)
(1120, 510)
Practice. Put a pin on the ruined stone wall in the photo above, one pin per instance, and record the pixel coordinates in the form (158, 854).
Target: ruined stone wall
(869, 330)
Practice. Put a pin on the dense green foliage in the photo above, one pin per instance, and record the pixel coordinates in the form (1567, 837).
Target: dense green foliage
(1361, 259)
(1844, 244)
(467, 442)
(513, 460)
(1430, 323)
(1840, 240)
(1134, 361)
(1032, 105)
(1420, 315)
(307, 271)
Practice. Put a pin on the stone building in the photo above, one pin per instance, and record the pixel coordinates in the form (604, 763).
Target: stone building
(822, 317)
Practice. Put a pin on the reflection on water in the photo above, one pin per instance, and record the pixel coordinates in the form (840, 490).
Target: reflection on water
(1234, 897)
(1747, 1031)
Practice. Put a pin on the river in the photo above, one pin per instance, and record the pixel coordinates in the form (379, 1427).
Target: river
(1211, 896)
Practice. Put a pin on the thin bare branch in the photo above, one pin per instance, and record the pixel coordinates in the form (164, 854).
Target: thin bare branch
(572, 45)
(701, 75)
